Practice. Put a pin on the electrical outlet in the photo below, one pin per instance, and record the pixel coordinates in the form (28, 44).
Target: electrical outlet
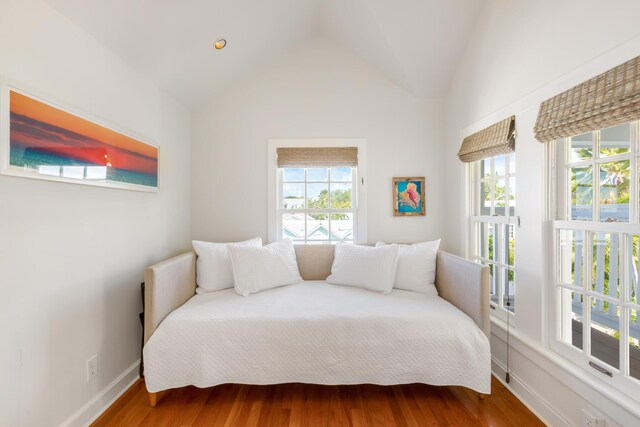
(590, 420)
(92, 367)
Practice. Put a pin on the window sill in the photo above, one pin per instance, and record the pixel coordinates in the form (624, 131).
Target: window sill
(499, 314)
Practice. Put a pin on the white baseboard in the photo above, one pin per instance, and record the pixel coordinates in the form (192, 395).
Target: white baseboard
(532, 400)
(91, 410)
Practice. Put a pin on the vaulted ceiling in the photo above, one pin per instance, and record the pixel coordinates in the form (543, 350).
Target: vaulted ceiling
(416, 43)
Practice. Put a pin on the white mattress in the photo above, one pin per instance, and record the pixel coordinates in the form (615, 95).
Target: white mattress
(317, 333)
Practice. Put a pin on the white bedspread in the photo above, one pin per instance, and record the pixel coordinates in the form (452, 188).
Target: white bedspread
(317, 333)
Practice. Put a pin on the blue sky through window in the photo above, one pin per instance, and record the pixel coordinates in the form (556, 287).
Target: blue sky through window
(341, 174)
(293, 174)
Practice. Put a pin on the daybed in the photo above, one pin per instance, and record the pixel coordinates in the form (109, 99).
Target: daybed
(315, 332)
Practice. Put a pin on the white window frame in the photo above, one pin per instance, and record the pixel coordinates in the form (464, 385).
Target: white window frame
(499, 310)
(359, 182)
(559, 164)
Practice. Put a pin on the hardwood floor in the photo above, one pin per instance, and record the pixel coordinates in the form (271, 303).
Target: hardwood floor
(315, 405)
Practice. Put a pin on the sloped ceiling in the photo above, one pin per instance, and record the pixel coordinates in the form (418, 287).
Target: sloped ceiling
(416, 43)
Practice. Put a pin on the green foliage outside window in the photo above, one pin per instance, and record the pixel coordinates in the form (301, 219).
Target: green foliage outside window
(340, 199)
(617, 174)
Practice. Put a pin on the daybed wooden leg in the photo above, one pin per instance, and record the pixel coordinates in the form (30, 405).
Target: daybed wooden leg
(153, 399)
(481, 396)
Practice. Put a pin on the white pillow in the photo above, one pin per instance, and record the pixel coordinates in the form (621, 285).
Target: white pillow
(213, 267)
(364, 267)
(256, 269)
(416, 267)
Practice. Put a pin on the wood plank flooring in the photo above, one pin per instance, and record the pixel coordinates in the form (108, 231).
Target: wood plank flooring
(317, 406)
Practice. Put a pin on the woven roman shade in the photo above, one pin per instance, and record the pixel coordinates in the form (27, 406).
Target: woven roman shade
(499, 138)
(303, 157)
(610, 99)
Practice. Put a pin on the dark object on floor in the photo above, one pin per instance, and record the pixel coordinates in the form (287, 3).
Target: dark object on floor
(142, 323)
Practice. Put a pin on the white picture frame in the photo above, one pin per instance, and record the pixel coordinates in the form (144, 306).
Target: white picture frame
(80, 167)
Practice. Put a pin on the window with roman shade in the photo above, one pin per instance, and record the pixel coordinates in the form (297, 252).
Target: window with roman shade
(609, 99)
(490, 153)
(494, 140)
(592, 133)
(317, 193)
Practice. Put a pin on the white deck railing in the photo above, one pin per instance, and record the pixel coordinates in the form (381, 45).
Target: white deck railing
(608, 316)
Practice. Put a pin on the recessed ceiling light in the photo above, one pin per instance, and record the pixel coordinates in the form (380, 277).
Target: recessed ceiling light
(220, 44)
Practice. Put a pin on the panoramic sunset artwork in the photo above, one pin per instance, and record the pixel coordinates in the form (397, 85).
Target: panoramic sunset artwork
(49, 142)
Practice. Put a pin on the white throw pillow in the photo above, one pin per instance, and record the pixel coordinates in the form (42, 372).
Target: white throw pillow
(213, 267)
(256, 269)
(364, 267)
(416, 267)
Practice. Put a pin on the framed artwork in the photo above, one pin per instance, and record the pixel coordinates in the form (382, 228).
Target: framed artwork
(47, 141)
(408, 196)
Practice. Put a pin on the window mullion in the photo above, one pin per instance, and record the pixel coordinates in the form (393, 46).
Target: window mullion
(623, 326)
(595, 184)
(280, 201)
(633, 187)
(485, 243)
(624, 339)
(595, 175)
(499, 281)
(587, 267)
(568, 194)
(355, 188)
(633, 190)
(306, 199)
(507, 181)
(580, 164)
(492, 189)
(305, 224)
(567, 179)
(472, 250)
(280, 188)
(497, 271)
(493, 219)
(476, 189)
(603, 297)
(471, 195)
(503, 261)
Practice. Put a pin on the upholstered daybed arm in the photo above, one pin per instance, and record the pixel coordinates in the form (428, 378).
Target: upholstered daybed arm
(168, 285)
(465, 284)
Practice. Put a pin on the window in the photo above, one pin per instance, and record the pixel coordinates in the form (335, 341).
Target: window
(318, 205)
(317, 190)
(493, 224)
(596, 235)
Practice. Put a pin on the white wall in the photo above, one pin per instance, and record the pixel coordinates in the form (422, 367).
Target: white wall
(521, 53)
(318, 90)
(518, 47)
(72, 256)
